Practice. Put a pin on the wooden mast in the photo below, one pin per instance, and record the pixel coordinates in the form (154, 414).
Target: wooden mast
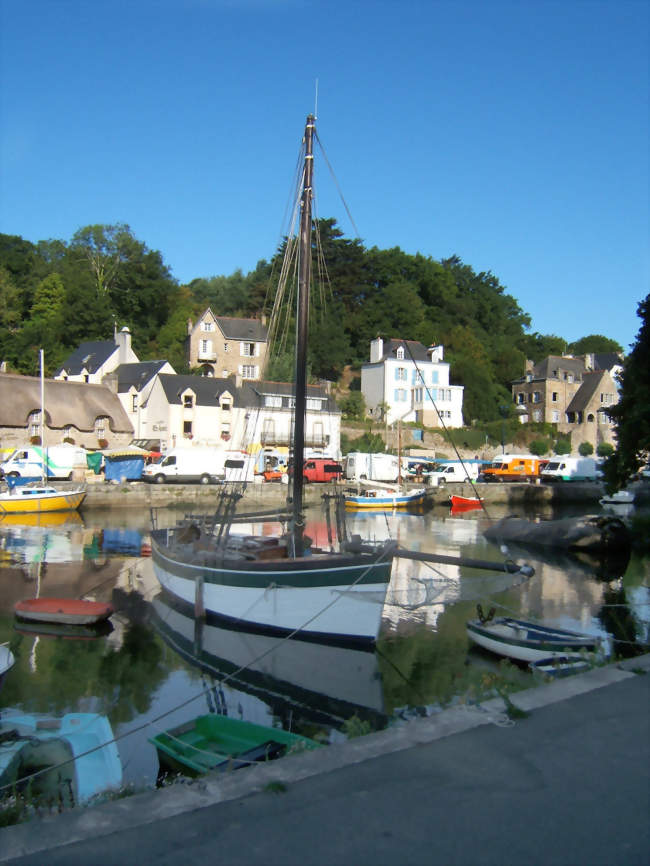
(302, 329)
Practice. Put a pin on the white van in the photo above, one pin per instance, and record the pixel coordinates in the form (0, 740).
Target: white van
(360, 466)
(61, 462)
(571, 469)
(187, 466)
(238, 466)
(456, 471)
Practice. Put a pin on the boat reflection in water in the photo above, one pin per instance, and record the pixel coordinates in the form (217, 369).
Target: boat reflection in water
(301, 683)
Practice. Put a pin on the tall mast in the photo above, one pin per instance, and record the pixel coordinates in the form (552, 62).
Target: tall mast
(44, 460)
(302, 327)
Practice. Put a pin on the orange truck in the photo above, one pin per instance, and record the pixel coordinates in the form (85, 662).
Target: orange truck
(513, 467)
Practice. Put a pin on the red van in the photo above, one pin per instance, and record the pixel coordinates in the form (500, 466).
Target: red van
(321, 469)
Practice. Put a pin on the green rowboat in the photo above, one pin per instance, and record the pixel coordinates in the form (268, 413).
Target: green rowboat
(214, 742)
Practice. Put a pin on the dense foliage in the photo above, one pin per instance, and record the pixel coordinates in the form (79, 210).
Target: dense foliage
(631, 416)
(54, 295)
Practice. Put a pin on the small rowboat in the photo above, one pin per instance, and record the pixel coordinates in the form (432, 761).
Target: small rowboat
(386, 498)
(464, 503)
(68, 611)
(527, 641)
(215, 742)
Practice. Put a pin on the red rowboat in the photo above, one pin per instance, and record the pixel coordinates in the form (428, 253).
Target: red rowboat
(71, 611)
(464, 503)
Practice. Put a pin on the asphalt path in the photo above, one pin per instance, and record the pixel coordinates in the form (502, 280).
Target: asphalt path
(565, 786)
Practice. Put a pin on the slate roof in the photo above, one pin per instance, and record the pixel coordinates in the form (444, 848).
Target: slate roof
(206, 389)
(550, 366)
(585, 393)
(607, 360)
(89, 356)
(74, 404)
(413, 350)
(286, 389)
(243, 329)
(137, 375)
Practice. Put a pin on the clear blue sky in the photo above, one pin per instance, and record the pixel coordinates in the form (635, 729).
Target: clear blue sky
(513, 134)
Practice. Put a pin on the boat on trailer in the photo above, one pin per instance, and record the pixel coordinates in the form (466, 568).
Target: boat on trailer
(528, 641)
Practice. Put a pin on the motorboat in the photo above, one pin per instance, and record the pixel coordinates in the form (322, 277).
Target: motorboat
(63, 611)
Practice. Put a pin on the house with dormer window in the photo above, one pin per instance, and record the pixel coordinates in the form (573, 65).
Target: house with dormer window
(404, 381)
(220, 346)
(94, 360)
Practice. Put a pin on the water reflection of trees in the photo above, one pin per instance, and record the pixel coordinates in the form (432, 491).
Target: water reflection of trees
(620, 622)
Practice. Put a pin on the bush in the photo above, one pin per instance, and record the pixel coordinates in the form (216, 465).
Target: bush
(539, 447)
(562, 446)
(353, 406)
(585, 449)
(369, 443)
(605, 449)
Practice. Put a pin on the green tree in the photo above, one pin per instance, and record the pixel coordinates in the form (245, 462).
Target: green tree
(562, 446)
(353, 406)
(631, 416)
(585, 449)
(605, 449)
(594, 344)
(539, 447)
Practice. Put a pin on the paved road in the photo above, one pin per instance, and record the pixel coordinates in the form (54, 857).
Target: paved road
(569, 784)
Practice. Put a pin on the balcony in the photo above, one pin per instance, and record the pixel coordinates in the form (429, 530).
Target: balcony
(206, 356)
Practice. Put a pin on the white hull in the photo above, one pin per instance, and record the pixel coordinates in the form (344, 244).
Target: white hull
(328, 611)
(526, 642)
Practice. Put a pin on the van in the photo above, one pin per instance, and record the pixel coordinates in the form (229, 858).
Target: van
(238, 466)
(321, 469)
(450, 471)
(60, 461)
(187, 466)
(571, 469)
(513, 467)
(361, 466)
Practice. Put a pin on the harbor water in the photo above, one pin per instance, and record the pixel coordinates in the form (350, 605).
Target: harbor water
(155, 666)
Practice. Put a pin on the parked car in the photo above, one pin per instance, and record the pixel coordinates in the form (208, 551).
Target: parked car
(321, 469)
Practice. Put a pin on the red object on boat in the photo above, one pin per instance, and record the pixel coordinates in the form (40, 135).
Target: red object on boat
(464, 503)
(71, 611)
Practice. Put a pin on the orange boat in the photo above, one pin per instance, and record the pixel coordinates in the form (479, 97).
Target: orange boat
(68, 611)
(464, 503)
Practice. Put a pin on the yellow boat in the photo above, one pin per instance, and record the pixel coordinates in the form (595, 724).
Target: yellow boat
(40, 499)
(43, 519)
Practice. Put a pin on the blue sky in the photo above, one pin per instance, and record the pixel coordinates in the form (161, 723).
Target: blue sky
(513, 134)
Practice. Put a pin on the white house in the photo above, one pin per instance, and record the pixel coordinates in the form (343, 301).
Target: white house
(95, 359)
(133, 384)
(404, 381)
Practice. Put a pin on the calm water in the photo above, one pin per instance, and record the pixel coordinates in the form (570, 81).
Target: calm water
(158, 667)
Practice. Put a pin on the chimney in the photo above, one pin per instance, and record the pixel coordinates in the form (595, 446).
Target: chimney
(376, 350)
(263, 320)
(123, 341)
(190, 325)
(435, 353)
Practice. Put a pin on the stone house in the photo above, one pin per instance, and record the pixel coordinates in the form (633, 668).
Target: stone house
(571, 392)
(133, 384)
(407, 382)
(87, 415)
(219, 346)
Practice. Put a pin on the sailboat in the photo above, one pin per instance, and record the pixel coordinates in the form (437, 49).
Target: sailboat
(282, 585)
(44, 497)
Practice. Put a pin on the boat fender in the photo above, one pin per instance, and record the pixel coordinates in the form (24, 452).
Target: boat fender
(482, 617)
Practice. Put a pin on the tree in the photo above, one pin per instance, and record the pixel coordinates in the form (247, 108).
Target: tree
(539, 447)
(631, 416)
(594, 344)
(353, 406)
(585, 449)
(562, 446)
(605, 449)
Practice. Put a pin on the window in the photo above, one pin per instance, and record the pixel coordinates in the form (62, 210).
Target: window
(134, 403)
(555, 416)
(314, 405)
(188, 401)
(226, 405)
(226, 348)
(187, 429)
(521, 397)
(207, 326)
(35, 424)
(272, 401)
(434, 377)
(554, 397)
(400, 395)
(537, 397)
(400, 353)
(248, 371)
(400, 374)
(248, 350)
(100, 426)
(537, 415)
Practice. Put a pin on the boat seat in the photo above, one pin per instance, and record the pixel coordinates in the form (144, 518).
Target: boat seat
(264, 752)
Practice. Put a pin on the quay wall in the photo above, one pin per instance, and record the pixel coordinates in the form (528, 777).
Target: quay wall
(139, 494)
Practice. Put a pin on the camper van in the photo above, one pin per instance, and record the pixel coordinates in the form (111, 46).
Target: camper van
(59, 461)
(187, 466)
(444, 473)
(571, 469)
(360, 466)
